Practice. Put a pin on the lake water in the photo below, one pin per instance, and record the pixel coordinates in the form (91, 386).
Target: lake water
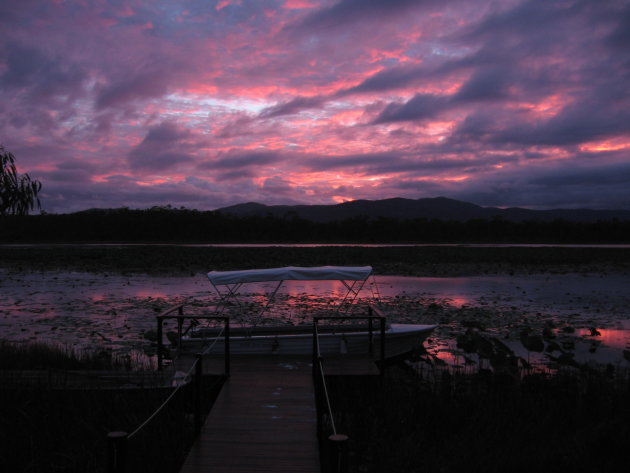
(88, 310)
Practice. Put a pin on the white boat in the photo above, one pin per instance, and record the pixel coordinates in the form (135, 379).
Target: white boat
(340, 334)
(298, 340)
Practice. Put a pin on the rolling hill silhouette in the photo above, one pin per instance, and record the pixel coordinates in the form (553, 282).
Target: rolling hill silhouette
(440, 208)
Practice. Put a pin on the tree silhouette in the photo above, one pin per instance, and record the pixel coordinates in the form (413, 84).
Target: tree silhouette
(18, 193)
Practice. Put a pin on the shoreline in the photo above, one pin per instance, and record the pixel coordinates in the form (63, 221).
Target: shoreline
(429, 261)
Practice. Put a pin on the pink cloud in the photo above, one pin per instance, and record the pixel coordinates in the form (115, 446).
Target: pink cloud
(210, 103)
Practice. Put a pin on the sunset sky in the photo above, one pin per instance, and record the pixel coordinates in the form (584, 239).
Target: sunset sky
(204, 103)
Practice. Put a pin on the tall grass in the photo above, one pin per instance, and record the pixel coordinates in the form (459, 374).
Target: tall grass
(44, 428)
(41, 356)
(573, 422)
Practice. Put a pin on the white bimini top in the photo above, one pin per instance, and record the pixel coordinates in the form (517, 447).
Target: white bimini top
(296, 273)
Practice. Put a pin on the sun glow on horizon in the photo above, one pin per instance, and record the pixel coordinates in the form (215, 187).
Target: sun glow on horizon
(608, 145)
(339, 199)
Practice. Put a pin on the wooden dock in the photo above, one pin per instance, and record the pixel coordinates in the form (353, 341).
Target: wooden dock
(264, 419)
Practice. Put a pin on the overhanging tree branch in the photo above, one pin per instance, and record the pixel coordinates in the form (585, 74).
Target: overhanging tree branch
(19, 194)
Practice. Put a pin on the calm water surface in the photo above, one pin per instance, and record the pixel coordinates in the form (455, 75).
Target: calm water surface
(87, 310)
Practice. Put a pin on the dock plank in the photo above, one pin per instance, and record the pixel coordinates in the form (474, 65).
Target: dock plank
(263, 420)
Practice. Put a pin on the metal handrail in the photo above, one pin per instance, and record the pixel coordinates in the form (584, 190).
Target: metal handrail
(180, 317)
(337, 453)
(370, 319)
(117, 442)
(320, 369)
(159, 409)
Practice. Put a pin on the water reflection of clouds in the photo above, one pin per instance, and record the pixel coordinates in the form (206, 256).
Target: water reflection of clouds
(618, 338)
(149, 294)
(459, 301)
(299, 288)
(84, 305)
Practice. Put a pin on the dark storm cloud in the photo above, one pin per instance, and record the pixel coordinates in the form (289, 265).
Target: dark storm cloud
(419, 164)
(121, 191)
(390, 79)
(620, 36)
(72, 172)
(327, 163)
(129, 89)
(278, 186)
(35, 74)
(292, 106)
(239, 160)
(586, 176)
(572, 127)
(420, 107)
(348, 11)
(579, 123)
(560, 186)
(485, 85)
(164, 147)
(518, 59)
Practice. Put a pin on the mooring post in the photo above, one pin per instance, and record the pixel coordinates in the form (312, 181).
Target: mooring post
(338, 444)
(197, 394)
(117, 452)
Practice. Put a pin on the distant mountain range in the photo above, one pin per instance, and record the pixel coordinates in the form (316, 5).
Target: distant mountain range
(440, 208)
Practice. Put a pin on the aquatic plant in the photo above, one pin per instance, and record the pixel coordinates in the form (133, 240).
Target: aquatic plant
(482, 421)
(42, 356)
(53, 425)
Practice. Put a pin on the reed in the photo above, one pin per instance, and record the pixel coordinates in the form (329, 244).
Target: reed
(567, 421)
(45, 427)
(40, 356)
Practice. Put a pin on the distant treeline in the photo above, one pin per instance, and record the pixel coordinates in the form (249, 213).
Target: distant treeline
(165, 224)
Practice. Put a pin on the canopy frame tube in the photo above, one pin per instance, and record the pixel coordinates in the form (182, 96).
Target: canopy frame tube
(234, 280)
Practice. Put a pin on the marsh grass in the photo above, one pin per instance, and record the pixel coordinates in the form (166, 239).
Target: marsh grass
(40, 356)
(567, 421)
(48, 428)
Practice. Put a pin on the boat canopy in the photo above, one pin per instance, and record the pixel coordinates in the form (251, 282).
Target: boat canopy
(296, 273)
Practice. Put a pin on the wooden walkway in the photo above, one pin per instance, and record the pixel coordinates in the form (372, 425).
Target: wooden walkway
(264, 419)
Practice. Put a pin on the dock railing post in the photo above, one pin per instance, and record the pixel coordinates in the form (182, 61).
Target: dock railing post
(338, 444)
(160, 321)
(316, 364)
(314, 352)
(319, 399)
(226, 344)
(197, 393)
(382, 345)
(180, 329)
(117, 452)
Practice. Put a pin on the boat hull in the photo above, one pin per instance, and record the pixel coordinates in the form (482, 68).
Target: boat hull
(399, 339)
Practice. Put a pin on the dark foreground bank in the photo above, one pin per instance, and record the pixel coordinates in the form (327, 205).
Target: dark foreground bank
(484, 422)
(478, 421)
(395, 260)
(49, 425)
